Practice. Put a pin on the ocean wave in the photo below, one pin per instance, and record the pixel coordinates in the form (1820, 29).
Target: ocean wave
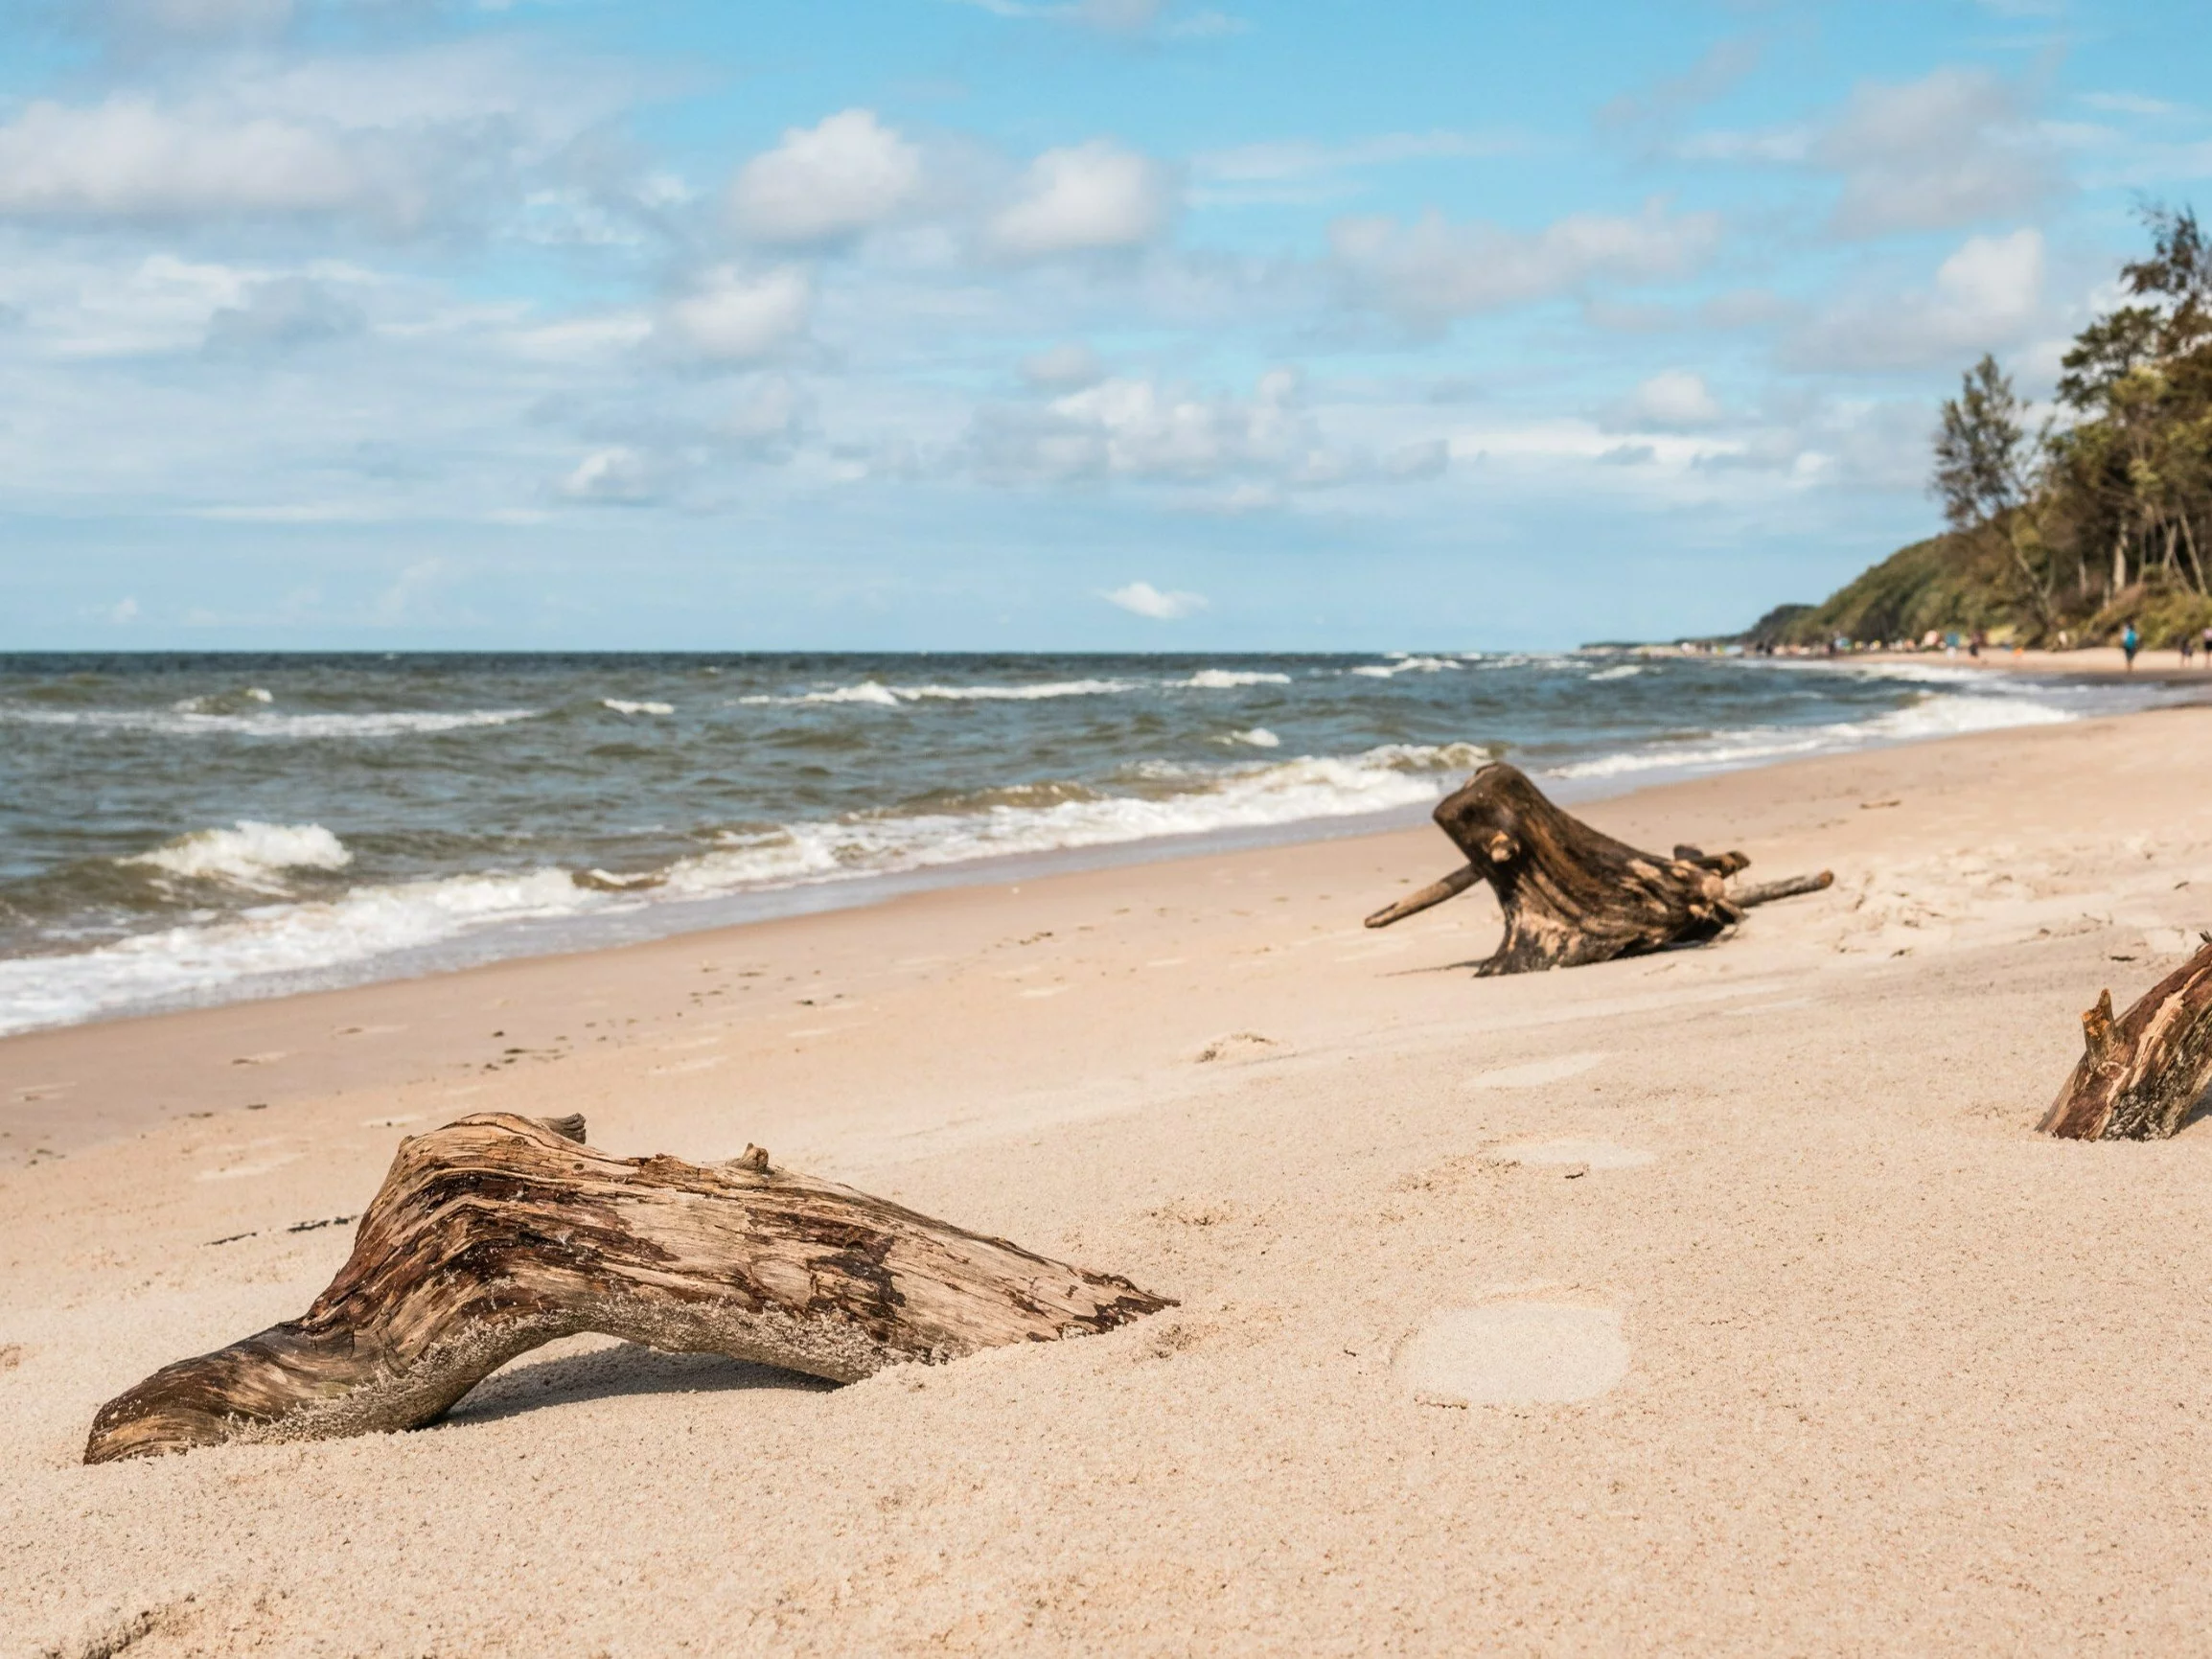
(1935, 716)
(182, 723)
(290, 938)
(1380, 779)
(276, 939)
(250, 855)
(1406, 664)
(892, 695)
(1258, 737)
(1230, 678)
(1625, 671)
(620, 706)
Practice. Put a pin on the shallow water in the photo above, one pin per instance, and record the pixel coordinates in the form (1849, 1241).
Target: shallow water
(190, 829)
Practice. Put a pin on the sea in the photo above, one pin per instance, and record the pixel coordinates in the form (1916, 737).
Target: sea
(179, 830)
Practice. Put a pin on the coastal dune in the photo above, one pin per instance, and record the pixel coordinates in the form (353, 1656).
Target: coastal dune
(1720, 1300)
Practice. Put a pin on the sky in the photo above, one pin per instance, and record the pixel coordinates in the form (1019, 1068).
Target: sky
(1026, 324)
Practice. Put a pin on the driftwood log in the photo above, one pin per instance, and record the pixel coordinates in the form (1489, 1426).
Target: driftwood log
(2139, 1074)
(497, 1234)
(1571, 894)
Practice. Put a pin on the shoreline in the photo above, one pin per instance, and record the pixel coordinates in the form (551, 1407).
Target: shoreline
(1788, 1178)
(652, 919)
(66, 1088)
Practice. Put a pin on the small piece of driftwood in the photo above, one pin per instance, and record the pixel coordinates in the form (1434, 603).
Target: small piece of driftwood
(1571, 894)
(2139, 1074)
(498, 1233)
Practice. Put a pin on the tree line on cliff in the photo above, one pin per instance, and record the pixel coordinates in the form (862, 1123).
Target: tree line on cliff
(2099, 515)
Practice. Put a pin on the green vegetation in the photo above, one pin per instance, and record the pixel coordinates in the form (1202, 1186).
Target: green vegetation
(2102, 517)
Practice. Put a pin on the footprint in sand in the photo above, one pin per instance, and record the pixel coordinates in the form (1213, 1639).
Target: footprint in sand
(1237, 1046)
(1590, 1154)
(1557, 1069)
(1513, 1353)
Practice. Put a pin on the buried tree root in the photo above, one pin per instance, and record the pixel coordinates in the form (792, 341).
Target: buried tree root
(498, 1233)
(1571, 894)
(2139, 1074)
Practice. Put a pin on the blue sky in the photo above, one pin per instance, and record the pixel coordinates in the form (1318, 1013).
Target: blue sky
(992, 324)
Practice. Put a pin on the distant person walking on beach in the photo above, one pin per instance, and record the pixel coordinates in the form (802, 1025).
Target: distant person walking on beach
(2131, 643)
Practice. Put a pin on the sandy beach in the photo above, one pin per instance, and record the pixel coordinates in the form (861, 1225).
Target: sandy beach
(1717, 1301)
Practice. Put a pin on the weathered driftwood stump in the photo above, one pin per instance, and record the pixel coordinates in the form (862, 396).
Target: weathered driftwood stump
(2139, 1074)
(497, 1234)
(1572, 895)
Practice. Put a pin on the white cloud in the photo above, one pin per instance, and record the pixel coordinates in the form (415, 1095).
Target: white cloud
(1431, 270)
(129, 157)
(1671, 399)
(823, 184)
(1138, 429)
(1087, 198)
(617, 475)
(735, 316)
(281, 313)
(1063, 368)
(1950, 148)
(1142, 599)
(1988, 294)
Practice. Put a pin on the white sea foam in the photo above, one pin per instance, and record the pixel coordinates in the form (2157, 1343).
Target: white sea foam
(290, 938)
(892, 695)
(1401, 663)
(278, 938)
(250, 855)
(620, 706)
(183, 722)
(1935, 716)
(1258, 737)
(1625, 671)
(1230, 678)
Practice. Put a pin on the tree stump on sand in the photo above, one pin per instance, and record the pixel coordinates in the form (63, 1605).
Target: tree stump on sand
(2139, 1074)
(1572, 895)
(497, 1234)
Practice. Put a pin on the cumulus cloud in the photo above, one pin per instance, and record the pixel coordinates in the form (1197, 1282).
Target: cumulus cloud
(1142, 599)
(129, 157)
(1430, 272)
(735, 317)
(1952, 148)
(1089, 197)
(826, 182)
(1988, 294)
(1138, 429)
(1674, 399)
(280, 315)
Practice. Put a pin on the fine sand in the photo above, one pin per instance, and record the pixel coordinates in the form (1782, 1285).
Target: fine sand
(1719, 1301)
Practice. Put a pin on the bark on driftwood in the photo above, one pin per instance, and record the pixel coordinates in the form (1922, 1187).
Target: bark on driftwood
(1572, 895)
(2139, 1074)
(497, 1234)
